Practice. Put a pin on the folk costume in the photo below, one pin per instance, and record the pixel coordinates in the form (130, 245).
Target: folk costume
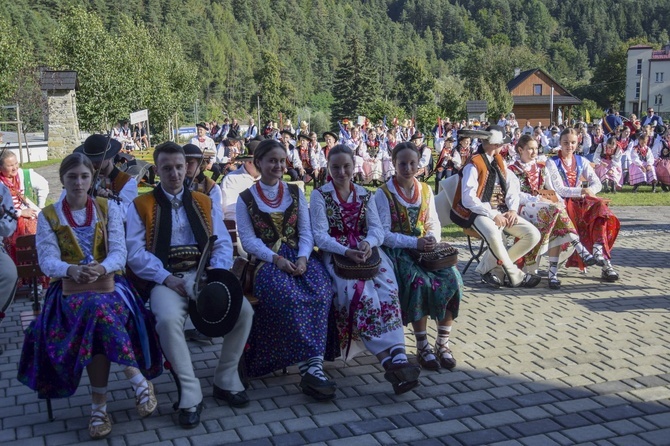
(367, 312)
(551, 219)
(372, 164)
(29, 190)
(422, 293)
(596, 225)
(7, 265)
(663, 165)
(642, 167)
(72, 329)
(338, 225)
(486, 189)
(608, 166)
(166, 235)
(291, 317)
(448, 164)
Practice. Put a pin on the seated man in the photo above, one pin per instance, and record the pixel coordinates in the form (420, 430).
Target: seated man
(487, 200)
(7, 268)
(172, 216)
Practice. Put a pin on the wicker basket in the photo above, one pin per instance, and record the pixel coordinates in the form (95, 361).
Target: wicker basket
(348, 269)
(443, 256)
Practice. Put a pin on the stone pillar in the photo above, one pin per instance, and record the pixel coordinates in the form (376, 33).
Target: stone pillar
(62, 126)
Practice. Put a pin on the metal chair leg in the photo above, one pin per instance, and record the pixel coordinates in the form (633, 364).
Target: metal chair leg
(474, 256)
(50, 410)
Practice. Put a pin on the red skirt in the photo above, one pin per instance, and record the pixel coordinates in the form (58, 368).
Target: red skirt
(595, 223)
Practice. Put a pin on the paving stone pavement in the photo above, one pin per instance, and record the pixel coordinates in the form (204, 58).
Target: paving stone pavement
(588, 364)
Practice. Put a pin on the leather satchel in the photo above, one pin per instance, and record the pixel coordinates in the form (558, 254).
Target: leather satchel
(443, 256)
(104, 285)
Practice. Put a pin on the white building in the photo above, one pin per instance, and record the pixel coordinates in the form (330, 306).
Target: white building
(647, 80)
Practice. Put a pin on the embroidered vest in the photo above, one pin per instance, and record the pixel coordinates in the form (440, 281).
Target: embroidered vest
(150, 213)
(70, 250)
(119, 180)
(336, 228)
(400, 219)
(486, 173)
(203, 184)
(530, 182)
(264, 225)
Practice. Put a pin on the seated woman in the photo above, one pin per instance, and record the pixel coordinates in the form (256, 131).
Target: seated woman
(91, 315)
(293, 288)
(407, 212)
(596, 225)
(663, 162)
(607, 158)
(642, 164)
(559, 235)
(345, 223)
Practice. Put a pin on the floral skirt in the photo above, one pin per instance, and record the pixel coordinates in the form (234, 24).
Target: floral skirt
(663, 170)
(555, 227)
(608, 171)
(71, 330)
(375, 319)
(291, 317)
(595, 223)
(425, 293)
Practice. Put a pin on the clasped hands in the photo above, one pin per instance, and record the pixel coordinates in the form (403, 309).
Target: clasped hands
(361, 254)
(86, 273)
(295, 269)
(509, 218)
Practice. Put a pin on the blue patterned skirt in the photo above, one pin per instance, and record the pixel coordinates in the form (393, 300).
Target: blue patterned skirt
(291, 317)
(71, 330)
(425, 293)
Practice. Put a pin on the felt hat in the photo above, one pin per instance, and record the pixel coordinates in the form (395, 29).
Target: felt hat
(216, 309)
(201, 124)
(335, 137)
(416, 135)
(95, 145)
(498, 135)
(304, 136)
(192, 151)
(288, 132)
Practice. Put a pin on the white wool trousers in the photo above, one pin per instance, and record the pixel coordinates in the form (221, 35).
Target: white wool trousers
(498, 255)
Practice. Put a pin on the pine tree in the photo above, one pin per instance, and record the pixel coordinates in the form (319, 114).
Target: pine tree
(355, 84)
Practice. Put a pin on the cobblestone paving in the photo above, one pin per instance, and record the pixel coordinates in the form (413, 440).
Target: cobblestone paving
(588, 364)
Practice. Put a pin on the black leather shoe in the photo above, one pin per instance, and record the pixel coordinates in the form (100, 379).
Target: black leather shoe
(404, 386)
(491, 279)
(530, 281)
(240, 399)
(189, 420)
(318, 389)
(397, 373)
(554, 283)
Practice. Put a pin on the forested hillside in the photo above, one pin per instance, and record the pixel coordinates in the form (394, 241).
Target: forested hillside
(319, 58)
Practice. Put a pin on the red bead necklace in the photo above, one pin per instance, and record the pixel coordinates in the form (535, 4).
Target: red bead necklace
(276, 201)
(68, 214)
(415, 193)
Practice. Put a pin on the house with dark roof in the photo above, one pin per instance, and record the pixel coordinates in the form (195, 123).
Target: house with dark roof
(531, 91)
(647, 80)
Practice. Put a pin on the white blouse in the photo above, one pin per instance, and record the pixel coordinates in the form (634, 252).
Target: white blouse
(254, 245)
(398, 240)
(554, 181)
(49, 254)
(320, 227)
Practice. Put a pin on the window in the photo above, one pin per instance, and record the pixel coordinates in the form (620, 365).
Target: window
(637, 89)
(537, 89)
(658, 99)
(639, 67)
(659, 78)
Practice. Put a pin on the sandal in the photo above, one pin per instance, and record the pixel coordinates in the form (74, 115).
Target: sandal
(609, 275)
(150, 403)
(99, 430)
(598, 255)
(427, 359)
(554, 283)
(447, 360)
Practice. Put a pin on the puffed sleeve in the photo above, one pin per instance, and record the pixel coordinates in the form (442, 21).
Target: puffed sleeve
(590, 174)
(432, 225)
(117, 253)
(48, 254)
(245, 228)
(375, 235)
(319, 220)
(554, 181)
(306, 240)
(143, 263)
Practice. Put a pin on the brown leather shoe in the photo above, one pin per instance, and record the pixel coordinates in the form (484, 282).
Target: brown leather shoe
(447, 359)
(427, 359)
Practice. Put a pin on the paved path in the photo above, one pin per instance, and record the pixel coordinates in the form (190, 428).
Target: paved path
(589, 364)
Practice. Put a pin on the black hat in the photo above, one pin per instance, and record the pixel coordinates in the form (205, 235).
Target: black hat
(201, 124)
(217, 307)
(251, 146)
(95, 145)
(304, 136)
(417, 135)
(331, 134)
(288, 132)
(192, 151)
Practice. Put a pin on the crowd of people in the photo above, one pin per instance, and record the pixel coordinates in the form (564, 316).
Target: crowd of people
(333, 278)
